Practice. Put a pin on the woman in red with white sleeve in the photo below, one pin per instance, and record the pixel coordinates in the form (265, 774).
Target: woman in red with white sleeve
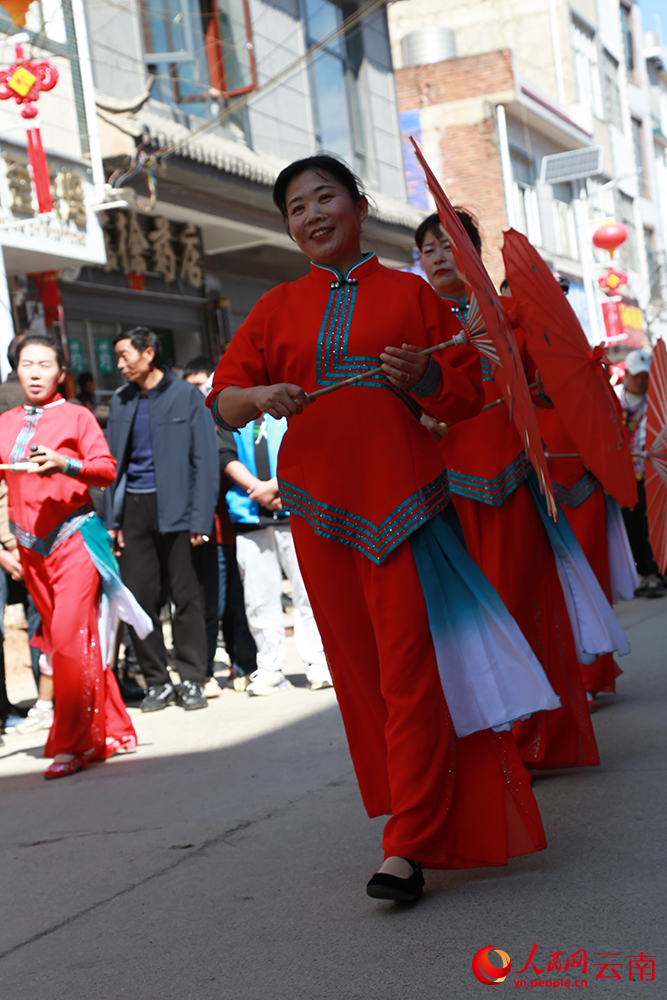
(62, 548)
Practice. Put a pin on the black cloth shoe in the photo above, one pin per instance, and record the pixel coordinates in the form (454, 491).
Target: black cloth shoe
(158, 697)
(191, 695)
(401, 890)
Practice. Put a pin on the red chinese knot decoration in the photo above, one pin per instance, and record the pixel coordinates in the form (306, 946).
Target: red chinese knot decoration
(25, 80)
(612, 280)
(609, 236)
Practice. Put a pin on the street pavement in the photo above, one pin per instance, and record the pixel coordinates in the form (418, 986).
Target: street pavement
(226, 860)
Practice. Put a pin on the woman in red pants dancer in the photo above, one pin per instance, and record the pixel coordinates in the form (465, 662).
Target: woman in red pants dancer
(424, 657)
(489, 477)
(61, 543)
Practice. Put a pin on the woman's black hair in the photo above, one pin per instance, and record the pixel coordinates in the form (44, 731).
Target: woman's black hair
(43, 340)
(433, 225)
(83, 379)
(141, 339)
(322, 163)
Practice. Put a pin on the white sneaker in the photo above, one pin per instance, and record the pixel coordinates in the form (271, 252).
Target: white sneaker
(318, 676)
(267, 682)
(212, 688)
(34, 721)
(241, 682)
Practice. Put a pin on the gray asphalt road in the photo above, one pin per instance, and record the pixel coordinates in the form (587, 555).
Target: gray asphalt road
(226, 860)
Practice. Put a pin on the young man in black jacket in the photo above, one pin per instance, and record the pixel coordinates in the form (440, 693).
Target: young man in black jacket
(160, 506)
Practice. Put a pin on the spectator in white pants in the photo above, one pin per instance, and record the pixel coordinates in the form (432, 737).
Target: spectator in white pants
(265, 550)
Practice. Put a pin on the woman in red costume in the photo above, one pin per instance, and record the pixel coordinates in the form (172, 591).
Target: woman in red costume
(489, 477)
(368, 496)
(49, 510)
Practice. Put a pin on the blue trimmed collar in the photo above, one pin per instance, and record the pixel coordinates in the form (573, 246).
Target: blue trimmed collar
(367, 265)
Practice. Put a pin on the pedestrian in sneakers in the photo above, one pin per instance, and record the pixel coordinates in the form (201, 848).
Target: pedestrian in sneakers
(160, 508)
(632, 394)
(265, 551)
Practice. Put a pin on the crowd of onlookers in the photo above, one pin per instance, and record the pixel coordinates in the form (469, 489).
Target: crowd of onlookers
(195, 519)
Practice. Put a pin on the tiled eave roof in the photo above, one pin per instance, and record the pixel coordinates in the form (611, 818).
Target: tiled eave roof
(235, 158)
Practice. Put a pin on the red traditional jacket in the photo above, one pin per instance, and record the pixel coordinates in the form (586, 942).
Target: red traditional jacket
(485, 458)
(45, 511)
(357, 464)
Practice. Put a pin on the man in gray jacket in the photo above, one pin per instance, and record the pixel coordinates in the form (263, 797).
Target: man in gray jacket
(160, 507)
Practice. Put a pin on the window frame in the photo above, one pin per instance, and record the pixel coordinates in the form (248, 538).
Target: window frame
(637, 127)
(350, 77)
(525, 195)
(629, 48)
(586, 53)
(613, 107)
(208, 14)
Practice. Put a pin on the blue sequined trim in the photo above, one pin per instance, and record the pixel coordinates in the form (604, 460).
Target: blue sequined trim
(487, 374)
(575, 495)
(20, 451)
(218, 419)
(45, 546)
(72, 467)
(430, 382)
(376, 542)
(490, 491)
(333, 361)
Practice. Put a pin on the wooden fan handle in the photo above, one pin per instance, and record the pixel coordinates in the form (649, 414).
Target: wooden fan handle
(374, 371)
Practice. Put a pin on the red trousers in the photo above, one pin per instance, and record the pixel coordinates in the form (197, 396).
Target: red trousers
(65, 587)
(589, 523)
(510, 545)
(454, 803)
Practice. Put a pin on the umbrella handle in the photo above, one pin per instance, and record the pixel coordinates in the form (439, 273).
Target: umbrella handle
(497, 402)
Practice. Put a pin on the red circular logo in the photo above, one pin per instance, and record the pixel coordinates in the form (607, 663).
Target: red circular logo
(487, 973)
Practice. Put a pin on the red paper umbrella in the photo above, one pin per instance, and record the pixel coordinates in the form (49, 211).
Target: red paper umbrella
(574, 375)
(656, 447)
(508, 369)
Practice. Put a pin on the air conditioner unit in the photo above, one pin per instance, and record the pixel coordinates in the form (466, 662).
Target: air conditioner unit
(574, 165)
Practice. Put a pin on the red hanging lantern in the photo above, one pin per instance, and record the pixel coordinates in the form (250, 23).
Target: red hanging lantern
(23, 81)
(17, 10)
(609, 236)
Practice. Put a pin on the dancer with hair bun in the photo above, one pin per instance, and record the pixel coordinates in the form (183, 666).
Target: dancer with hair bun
(490, 476)
(425, 659)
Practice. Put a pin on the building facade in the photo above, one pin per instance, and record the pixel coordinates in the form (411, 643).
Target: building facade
(37, 246)
(195, 239)
(520, 81)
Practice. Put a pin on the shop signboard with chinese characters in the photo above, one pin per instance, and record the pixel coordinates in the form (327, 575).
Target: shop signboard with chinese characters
(140, 245)
(68, 236)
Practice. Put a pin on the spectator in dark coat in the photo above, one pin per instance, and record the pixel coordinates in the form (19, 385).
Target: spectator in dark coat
(160, 507)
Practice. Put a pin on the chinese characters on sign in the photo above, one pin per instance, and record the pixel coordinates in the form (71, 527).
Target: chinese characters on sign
(106, 362)
(66, 191)
(137, 245)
